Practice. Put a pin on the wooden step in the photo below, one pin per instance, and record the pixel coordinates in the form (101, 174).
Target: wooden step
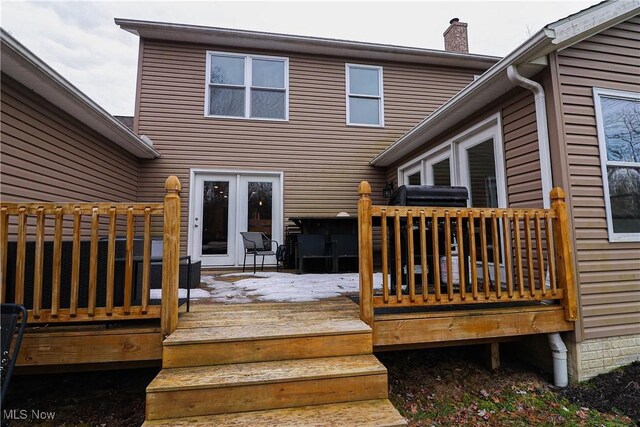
(266, 341)
(209, 390)
(368, 413)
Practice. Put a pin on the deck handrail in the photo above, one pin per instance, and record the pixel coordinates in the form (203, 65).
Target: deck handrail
(52, 221)
(503, 255)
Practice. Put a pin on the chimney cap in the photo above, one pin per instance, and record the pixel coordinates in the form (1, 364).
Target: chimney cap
(454, 20)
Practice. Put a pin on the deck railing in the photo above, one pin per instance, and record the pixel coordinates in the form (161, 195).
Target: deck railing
(435, 256)
(43, 225)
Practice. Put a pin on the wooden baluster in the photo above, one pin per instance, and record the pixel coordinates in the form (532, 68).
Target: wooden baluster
(111, 261)
(496, 254)
(39, 263)
(461, 258)
(21, 253)
(551, 261)
(410, 258)
(518, 253)
(146, 260)
(436, 254)
(171, 257)
(483, 248)
(447, 239)
(57, 262)
(539, 254)
(385, 256)
(564, 253)
(398, 256)
(93, 262)
(128, 268)
(423, 256)
(75, 263)
(473, 256)
(527, 240)
(508, 267)
(4, 244)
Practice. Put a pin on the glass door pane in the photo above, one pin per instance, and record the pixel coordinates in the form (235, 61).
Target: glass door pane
(442, 173)
(215, 218)
(482, 175)
(260, 207)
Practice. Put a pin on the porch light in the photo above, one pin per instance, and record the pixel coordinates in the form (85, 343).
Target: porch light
(387, 190)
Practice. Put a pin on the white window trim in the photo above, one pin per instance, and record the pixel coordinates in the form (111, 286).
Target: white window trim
(380, 97)
(247, 85)
(597, 94)
(491, 127)
(435, 159)
(406, 173)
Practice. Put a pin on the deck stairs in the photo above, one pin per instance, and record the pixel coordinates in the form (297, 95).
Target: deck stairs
(281, 364)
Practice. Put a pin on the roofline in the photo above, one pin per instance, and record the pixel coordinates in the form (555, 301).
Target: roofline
(558, 35)
(31, 71)
(304, 44)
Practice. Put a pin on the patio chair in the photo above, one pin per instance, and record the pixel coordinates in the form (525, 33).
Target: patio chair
(312, 246)
(258, 244)
(345, 246)
(14, 321)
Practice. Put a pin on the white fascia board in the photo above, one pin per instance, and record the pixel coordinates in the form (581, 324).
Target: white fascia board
(592, 20)
(22, 65)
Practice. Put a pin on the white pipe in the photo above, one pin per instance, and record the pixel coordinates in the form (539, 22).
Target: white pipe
(559, 354)
(543, 130)
(558, 349)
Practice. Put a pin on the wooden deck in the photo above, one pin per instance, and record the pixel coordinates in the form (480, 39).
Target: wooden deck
(281, 363)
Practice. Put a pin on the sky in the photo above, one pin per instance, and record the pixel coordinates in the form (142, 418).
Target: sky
(80, 40)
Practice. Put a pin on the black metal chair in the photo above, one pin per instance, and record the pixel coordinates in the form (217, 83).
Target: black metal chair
(14, 321)
(258, 244)
(312, 246)
(345, 246)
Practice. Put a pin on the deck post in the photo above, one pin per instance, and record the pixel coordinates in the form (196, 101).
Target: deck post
(564, 253)
(365, 250)
(170, 256)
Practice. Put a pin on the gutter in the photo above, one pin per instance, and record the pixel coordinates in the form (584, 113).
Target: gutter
(542, 128)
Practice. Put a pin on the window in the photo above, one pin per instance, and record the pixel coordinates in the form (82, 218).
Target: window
(244, 86)
(618, 121)
(365, 106)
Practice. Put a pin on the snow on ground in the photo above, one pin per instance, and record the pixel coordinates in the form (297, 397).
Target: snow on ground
(272, 286)
(182, 293)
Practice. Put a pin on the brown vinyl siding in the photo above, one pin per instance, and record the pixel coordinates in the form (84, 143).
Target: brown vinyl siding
(608, 273)
(522, 158)
(47, 155)
(322, 158)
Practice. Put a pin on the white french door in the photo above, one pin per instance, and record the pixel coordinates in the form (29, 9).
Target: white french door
(225, 204)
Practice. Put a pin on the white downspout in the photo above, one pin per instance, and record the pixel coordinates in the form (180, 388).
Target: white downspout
(558, 349)
(543, 130)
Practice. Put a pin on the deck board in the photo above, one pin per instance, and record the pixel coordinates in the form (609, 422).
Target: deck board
(369, 413)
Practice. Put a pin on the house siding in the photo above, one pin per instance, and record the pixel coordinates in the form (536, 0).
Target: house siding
(608, 273)
(47, 155)
(322, 159)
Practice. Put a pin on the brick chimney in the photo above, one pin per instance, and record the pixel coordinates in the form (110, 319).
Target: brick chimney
(455, 38)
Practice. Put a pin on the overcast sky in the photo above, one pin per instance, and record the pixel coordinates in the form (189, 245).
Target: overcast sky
(80, 40)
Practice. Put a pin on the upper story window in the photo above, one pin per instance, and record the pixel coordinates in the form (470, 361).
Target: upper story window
(365, 102)
(247, 86)
(618, 120)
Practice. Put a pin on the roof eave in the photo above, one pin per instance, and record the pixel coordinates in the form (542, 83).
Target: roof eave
(243, 39)
(22, 65)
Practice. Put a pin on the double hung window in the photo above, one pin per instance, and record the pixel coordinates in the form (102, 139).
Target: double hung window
(247, 86)
(618, 121)
(365, 105)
